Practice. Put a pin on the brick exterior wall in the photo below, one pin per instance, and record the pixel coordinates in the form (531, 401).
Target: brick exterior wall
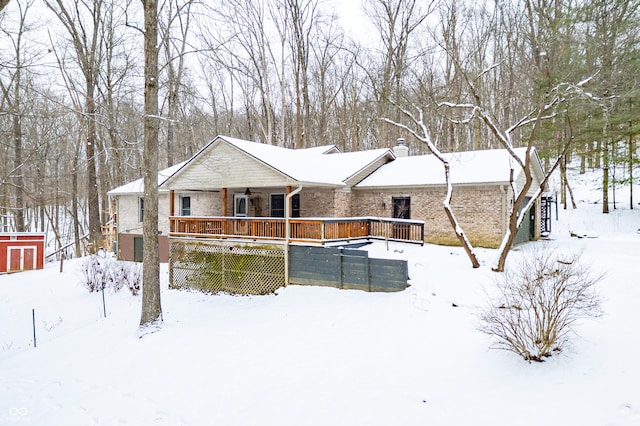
(318, 203)
(479, 209)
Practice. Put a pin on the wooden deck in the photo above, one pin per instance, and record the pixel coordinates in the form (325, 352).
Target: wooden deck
(308, 230)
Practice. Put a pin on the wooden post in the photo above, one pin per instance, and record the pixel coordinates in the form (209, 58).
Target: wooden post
(289, 200)
(171, 210)
(287, 230)
(224, 202)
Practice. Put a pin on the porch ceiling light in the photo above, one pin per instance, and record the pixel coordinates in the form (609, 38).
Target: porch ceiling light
(247, 192)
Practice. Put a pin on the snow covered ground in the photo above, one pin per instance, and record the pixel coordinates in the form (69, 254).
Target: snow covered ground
(320, 356)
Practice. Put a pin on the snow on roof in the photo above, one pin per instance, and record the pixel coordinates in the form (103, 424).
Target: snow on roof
(311, 165)
(137, 186)
(469, 167)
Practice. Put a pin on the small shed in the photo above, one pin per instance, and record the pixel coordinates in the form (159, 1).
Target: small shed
(21, 251)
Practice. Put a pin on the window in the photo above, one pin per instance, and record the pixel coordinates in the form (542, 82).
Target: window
(185, 206)
(141, 209)
(277, 205)
(401, 207)
(240, 205)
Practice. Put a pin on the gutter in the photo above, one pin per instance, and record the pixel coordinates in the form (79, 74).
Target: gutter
(503, 208)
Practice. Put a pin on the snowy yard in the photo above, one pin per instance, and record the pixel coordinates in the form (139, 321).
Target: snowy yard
(321, 356)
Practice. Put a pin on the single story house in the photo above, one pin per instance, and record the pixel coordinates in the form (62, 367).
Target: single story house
(241, 179)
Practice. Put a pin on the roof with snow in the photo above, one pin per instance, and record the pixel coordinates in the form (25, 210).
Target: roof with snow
(328, 166)
(468, 167)
(137, 186)
(319, 166)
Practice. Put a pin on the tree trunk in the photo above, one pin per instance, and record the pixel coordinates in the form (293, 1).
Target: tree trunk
(565, 184)
(631, 151)
(151, 316)
(74, 203)
(19, 169)
(605, 178)
(93, 199)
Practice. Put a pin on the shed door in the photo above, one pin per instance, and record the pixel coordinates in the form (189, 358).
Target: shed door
(29, 259)
(14, 261)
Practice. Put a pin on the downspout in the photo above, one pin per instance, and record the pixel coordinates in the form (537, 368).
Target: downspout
(503, 208)
(287, 232)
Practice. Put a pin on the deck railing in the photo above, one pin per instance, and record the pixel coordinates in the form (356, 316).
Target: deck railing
(312, 230)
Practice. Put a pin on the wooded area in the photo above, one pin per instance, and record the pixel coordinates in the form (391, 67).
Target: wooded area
(298, 73)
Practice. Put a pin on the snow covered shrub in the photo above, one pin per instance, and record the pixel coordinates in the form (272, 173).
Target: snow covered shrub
(99, 273)
(538, 301)
(128, 274)
(93, 273)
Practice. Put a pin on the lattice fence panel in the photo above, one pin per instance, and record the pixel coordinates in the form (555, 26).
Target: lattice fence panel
(229, 269)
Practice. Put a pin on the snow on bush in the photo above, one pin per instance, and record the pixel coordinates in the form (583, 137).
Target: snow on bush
(100, 272)
(538, 301)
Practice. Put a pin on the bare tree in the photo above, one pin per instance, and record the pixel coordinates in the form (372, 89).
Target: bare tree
(12, 96)
(396, 22)
(85, 40)
(114, 74)
(175, 52)
(504, 135)
(240, 43)
(303, 14)
(151, 316)
(423, 135)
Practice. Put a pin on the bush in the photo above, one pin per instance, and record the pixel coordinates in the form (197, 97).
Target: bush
(93, 273)
(99, 272)
(538, 302)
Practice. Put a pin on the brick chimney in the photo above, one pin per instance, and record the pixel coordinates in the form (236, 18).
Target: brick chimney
(401, 150)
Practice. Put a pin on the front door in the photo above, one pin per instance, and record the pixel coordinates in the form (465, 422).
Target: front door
(401, 207)
(401, 210)
(240, 205)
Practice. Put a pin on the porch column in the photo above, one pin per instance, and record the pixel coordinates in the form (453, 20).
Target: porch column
(289, 199)
(224, 201)
(171, 209)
